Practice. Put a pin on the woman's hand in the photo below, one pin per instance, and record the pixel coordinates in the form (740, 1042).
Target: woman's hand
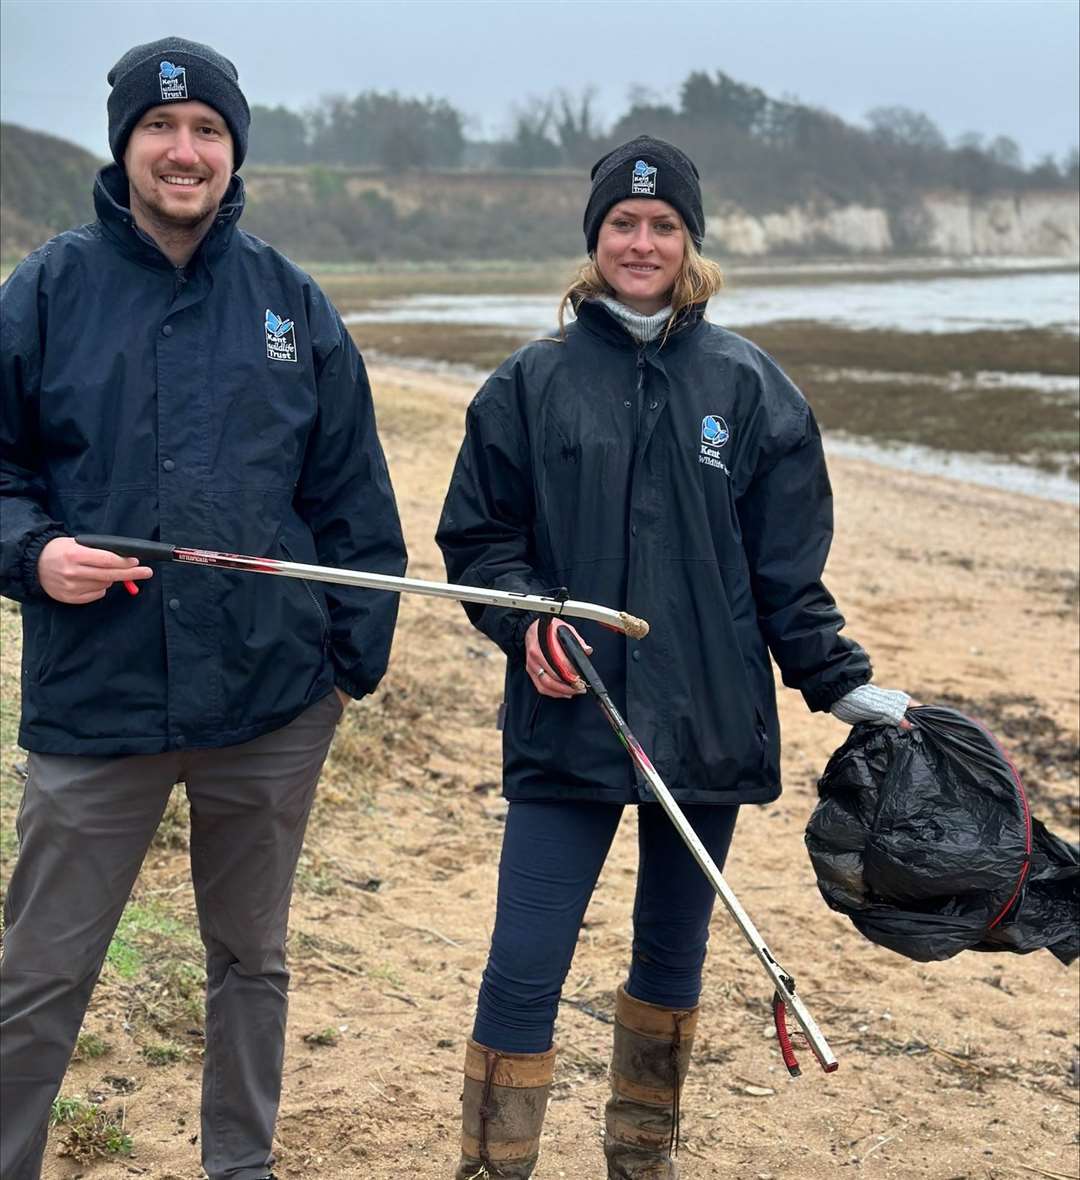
(546, 681)
(873, 705)
(74, 573)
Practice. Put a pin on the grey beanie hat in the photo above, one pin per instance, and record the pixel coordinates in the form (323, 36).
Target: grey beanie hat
(175, 70)
(645, 167)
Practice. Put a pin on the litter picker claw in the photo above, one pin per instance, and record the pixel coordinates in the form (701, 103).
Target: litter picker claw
(784, 997)
(541, 604)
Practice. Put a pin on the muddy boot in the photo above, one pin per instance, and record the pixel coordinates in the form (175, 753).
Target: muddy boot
(503, 1107)
(648, 1067)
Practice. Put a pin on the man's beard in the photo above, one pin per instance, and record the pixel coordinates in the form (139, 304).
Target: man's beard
(167, 218)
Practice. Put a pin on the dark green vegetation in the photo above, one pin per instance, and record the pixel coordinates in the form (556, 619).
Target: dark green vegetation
(45, 187)
(900, 387)
(369, 130)
(1027, 350)
(768, 152)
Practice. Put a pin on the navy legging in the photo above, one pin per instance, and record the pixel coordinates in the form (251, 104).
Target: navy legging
(552, 855)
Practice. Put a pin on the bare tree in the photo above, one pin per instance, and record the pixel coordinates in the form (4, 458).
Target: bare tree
(579, 135)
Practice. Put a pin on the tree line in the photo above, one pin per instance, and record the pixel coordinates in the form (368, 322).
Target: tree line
(757, 150)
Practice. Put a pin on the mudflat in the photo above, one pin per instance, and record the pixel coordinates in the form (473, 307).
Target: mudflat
(965, 1070)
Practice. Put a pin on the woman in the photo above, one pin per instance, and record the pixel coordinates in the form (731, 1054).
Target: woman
(648, 460)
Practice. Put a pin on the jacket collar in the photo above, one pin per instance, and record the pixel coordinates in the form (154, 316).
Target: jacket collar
(595, 318)
(111, 202)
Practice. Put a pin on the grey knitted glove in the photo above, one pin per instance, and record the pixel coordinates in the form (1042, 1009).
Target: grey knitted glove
(878, 706)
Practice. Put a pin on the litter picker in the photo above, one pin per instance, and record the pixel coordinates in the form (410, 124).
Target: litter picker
(784, 997)
(541, 604)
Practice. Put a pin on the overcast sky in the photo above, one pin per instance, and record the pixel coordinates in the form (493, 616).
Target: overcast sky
(1008, 67)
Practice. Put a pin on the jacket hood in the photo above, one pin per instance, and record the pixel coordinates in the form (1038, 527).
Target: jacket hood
(112, 203)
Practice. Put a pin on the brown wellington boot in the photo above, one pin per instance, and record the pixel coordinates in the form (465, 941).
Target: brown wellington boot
(503, 1107)
(648, 1067)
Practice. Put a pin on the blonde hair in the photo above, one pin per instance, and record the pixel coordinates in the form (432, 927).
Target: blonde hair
(699, 279)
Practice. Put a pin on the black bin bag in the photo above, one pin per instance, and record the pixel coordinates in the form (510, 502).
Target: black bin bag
(924, 839)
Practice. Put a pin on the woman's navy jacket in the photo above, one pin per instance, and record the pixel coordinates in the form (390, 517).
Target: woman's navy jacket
(222, 406)
(684, 482)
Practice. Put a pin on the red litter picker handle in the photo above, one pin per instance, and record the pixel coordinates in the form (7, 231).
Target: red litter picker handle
(554, 636)
(145, 551)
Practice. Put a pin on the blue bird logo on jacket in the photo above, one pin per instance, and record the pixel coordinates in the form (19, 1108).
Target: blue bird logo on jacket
(714, 430)
(276, 327)
(168, 70)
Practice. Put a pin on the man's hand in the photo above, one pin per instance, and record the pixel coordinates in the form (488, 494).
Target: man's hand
(72, 573)
(343, 697)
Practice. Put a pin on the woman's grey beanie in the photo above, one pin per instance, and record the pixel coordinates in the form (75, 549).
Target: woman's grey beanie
(175, 70)
(645, 167)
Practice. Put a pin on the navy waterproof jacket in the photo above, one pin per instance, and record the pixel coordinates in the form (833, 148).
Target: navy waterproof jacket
(683, 481)
(149, 401)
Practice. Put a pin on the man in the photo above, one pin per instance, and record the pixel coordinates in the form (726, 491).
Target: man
(165, 375)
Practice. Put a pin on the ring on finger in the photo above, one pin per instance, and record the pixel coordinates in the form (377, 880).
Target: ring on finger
(541, 672)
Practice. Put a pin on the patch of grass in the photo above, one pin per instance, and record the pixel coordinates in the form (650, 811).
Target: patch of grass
(162, 1053)
(89, 1046)
(88, 1131)
(325, 1038)
(66, 1110)
(386, 974)
(140, 920)
(155, 963)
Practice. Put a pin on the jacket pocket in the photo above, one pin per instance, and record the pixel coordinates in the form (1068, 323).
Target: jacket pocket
(313, 598)
(38, 621)
(761, 733)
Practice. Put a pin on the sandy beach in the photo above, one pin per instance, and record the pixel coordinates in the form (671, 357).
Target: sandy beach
(965, 1070)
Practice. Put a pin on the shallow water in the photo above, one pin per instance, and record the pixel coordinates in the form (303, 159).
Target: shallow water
(981, 295)
(977, 469)
(1003, 302)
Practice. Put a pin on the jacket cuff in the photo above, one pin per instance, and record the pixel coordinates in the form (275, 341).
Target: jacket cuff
(28, 572)
(515, 646)
(820, 698)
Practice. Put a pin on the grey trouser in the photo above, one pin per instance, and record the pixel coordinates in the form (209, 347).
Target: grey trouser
(84, 827)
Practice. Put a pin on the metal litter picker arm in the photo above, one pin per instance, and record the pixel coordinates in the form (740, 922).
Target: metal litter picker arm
(785, 996)
(151, 551)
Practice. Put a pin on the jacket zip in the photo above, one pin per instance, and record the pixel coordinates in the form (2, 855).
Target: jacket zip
(639, 402)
